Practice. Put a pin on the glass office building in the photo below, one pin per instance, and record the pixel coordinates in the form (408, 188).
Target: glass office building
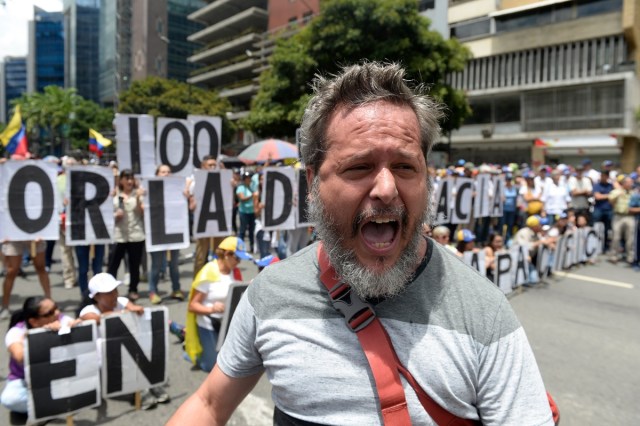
(81, 21)
(179, 28)
(49, 49)
(14, 83)
(114, 58)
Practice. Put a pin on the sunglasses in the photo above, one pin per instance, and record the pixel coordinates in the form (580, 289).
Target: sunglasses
(49, 313)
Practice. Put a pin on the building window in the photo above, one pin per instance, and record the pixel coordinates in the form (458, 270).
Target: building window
(426, 4)
(582, 107)
(473, 28)
(506, 109)
(481, 111)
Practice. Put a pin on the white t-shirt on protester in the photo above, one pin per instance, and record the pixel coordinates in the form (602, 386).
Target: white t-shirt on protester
(16, 333)
(93, 309)
(214, 292)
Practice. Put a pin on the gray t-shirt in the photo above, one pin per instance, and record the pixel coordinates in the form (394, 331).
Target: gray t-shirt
(453, 329)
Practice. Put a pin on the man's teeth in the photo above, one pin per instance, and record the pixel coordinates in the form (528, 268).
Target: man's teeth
(381, 245)
(383, 220)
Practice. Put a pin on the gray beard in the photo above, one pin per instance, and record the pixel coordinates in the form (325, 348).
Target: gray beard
(366, 283)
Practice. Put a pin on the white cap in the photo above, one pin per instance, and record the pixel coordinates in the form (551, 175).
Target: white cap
(102, 283)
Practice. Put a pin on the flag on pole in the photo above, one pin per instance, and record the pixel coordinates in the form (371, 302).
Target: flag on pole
(14, 137)
(97, 142)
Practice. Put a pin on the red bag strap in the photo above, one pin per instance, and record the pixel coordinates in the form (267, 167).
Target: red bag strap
(378, 348)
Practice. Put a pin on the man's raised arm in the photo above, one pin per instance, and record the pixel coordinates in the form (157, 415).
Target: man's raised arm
(214, 402)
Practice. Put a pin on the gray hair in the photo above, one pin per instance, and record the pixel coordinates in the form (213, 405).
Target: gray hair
(358, 85)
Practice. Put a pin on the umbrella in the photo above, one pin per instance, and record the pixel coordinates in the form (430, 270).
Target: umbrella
(233, 162)
(273, 149)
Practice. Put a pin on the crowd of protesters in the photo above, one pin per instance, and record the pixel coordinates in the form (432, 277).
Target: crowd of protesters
(541, 203)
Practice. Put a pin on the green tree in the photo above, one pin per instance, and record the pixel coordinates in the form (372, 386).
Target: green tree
(47, 114)
(348, 32)
(60, 119)
(89, 115)
(161, 97)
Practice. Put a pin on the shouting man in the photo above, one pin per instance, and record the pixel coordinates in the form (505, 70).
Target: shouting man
(366, 136)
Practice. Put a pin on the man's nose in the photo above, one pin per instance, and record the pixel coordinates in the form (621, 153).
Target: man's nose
(384, 186)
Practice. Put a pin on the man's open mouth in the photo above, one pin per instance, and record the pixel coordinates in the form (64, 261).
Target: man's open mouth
(380, 233)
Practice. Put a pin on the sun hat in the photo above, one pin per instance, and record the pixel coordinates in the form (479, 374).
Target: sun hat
(533, 221)
(465, 235)
(102, 283)
(235, 245)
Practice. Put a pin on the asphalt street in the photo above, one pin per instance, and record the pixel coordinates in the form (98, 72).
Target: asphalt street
(583, 328)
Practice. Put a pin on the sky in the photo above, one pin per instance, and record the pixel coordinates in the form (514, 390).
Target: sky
(14, 15)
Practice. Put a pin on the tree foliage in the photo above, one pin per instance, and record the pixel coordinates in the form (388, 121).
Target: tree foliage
(348, 32)
(161, 97)
(57, 115)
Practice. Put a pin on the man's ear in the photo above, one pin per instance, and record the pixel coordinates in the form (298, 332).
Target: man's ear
(310, 176)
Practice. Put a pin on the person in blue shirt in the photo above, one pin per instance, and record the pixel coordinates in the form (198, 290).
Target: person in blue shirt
(602, 209)
(245, 208)
(510, 208)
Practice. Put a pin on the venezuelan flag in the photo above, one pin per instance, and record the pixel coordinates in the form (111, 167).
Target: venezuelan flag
(14, 137)
(97, 142)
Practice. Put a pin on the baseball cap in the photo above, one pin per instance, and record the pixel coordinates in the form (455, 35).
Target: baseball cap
(607, 163)
(267, 260)
(460, 162)
(469, 165)
(533, 221)
(562, 215)
(465, 235)
(586, 161)
(102, 283)
(235, 245)
(246, 175)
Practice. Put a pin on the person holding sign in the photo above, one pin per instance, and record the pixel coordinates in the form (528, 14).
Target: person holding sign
(495, 246)
(365, 138)
(36, 312)
(129, 235)
(159, 257)
(203, 245)
(465, 241)
(206, 301)
(103, 290)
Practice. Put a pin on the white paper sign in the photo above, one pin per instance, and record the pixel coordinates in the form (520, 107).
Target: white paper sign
(214, 203)
(277, 196)
(135, 149)
(135, 350)
(173, 145)
(463, 196)
(89, 210)
(62, 371)
(28, 201)
(207, 137)
(166, 214)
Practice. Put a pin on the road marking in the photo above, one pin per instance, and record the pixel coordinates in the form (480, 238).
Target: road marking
(594, 280)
